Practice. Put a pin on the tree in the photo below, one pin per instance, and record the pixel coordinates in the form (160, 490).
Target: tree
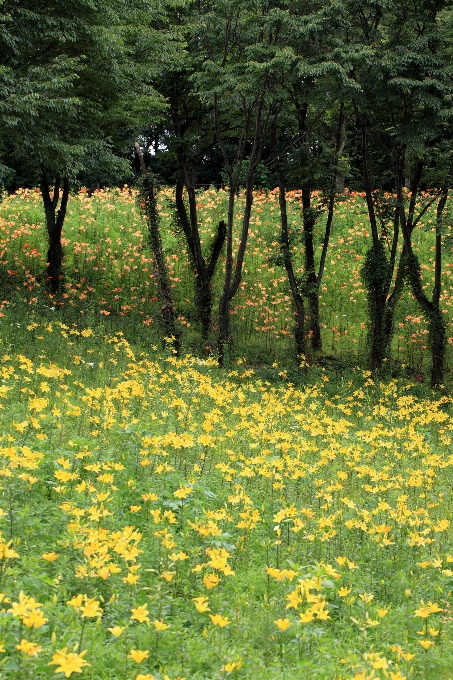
(148, 206)
(64, 75)
(398, 59)
(307, 141)
(239, 79)
(190, 139)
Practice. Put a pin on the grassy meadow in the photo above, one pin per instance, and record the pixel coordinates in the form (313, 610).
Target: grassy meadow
(163, 519)
(110, 276)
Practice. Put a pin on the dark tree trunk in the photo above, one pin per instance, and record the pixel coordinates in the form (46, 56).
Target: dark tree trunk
(149, 208)
(299, 312)
(311, 286)
(431, 308)
(204, 271)
(377, 273)
(233, 274)
(224, 305)
(54, 226)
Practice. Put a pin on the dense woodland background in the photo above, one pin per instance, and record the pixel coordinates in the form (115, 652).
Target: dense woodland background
(245, 96)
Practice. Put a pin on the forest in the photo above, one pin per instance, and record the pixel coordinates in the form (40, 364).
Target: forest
(244, 96)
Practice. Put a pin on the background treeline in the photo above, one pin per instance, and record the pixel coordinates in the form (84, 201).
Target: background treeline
(245, 95)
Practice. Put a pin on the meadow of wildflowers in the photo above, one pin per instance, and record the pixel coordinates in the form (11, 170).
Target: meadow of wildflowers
(110, 275)
(160, 518)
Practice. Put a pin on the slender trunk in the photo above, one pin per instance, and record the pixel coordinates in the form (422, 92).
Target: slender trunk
(339, 147)
(233, 274)
(244, 234)
(340, 141)
(183, 218)
(376, 271)
(149, 207)
(54, 226)
(299, 312)
(311, 287)
(368, 191)
(224, 305)
(431, 308)
(204, 271)
(203, 292)
(398, 286)
(439, 330)
(434, 315)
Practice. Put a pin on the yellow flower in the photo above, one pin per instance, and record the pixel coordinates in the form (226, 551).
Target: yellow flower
(218, 620)
(306, 617)
(25, 606)
(91, 608)
(344, 592)
(141, 676)
(366, 598)
(30, 648)
(138, 655)
(140, 614)
(34, 619)
(293, 599)
(229, 667)
(201, 604)
(50, 557)
(131, 578)
(181, 556)
(116, 630)
(427, 609)
(160, 625)
(68, 663)
(149, 497)
(211, 581)
(75, 601)
(283, 624)
(183, 492)
(426, 644)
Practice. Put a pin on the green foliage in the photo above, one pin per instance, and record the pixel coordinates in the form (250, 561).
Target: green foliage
(376, 273)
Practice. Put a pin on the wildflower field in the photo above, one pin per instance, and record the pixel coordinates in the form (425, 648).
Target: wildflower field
(162, 518)
(110, 274)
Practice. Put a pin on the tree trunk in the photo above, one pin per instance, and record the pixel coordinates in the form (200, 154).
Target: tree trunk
(431, 308)
(311, 286)
(149, 208)
(233, 275)
(224, 305)
(204, 271)
(299, 312)
(54, 226)
(376, 272)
